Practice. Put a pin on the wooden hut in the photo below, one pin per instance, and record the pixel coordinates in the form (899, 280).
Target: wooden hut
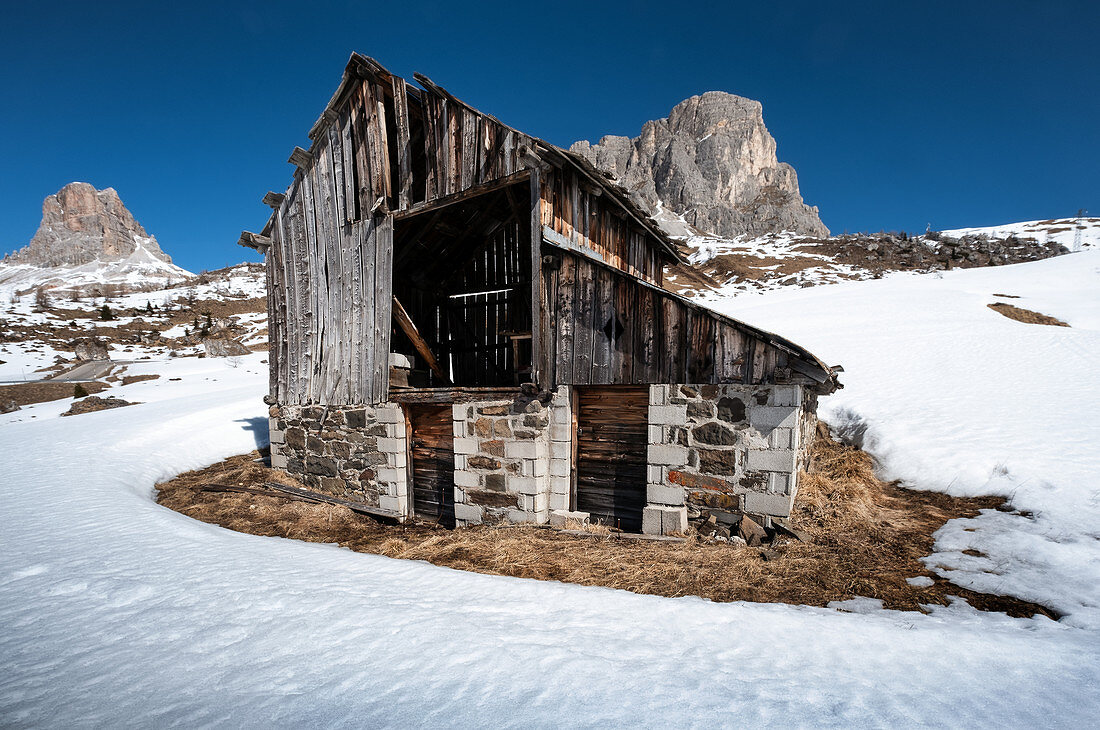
(468, 324)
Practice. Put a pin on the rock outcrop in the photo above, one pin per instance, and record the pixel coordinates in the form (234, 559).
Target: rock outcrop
(81, 224)
(713, 162)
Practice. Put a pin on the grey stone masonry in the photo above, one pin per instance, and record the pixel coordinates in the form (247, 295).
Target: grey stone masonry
(729, 449)
(505, 458)
(351, 452)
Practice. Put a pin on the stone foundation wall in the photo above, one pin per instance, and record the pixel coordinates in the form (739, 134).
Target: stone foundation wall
(729, 449)
(503, 460)
(356, 453)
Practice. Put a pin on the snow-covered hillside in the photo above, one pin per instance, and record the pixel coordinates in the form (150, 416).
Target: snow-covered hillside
(781, 260)
(139, 270)
(148, 323)
(115, 611)
(1073, 233)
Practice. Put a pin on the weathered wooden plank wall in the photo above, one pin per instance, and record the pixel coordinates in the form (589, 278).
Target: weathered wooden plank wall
(610, 329)
(584, 217)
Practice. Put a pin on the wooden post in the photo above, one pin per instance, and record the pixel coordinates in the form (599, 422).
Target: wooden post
(538, 331)
(409, 328)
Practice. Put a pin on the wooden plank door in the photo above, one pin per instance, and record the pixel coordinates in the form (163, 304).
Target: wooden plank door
(611, 454)
(433, 462)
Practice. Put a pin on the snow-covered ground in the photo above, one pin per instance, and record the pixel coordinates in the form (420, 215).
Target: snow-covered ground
(1073, 233)
(117, 612)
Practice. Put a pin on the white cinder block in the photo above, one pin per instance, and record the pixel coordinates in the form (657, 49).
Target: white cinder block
(561, 432)
(776, 505)
(662, 495)
(516, 449)
(561, 450)
(460, 461)
(536, 467)
(517, 516)
(784, 395)
(655, 474)
(390, 445)
(781, 438)
(656, 434)
(397, 460)
(392, 504)
(658, 395)
(523, 485)
(651, 520)
(390, 474)
(470, 513)
(465, 445)
(559, 502)
(770, 460)
(390, 415)
(559, 485)
(668, 415)
(467, 479)
(674, 520)
(458, 411)
(668, 455)
(278, 461)
(769, 417)
(779, 483)
(559, 468)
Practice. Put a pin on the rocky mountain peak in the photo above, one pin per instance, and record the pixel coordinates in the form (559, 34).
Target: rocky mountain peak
(713, 162)
(81, 224)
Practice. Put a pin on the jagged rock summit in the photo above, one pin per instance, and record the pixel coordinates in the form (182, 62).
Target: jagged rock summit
(87, 237)
(712, 163)
(81, 224)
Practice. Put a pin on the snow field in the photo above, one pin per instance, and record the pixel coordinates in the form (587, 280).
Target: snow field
(117, 612)
(950, 395)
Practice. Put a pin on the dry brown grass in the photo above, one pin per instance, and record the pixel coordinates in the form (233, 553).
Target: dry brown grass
(867, 537)
(26, 393)
(1025, 315)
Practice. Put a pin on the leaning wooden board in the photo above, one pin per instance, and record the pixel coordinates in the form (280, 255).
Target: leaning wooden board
(611, 454)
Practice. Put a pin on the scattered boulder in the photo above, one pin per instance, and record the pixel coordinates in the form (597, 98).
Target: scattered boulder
(224, 348)
(90, 348)
(8, 405)
(95, 403)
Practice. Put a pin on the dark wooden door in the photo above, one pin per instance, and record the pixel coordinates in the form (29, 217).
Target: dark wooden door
(433, 462)
(611, 454)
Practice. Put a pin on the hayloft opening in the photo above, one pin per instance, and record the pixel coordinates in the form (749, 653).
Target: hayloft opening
(462, 274)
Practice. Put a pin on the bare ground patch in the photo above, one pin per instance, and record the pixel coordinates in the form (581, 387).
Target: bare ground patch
(1025, 315)
(866, 539)
(25, 394)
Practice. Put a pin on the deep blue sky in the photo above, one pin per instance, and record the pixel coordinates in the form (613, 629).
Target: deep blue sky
(894, 115)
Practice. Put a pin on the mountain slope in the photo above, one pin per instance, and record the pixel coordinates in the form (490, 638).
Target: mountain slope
(88, 237)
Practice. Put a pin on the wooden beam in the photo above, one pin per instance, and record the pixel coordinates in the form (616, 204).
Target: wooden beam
(409, 328)
(459, 197)
(254, 241)
(274, 200)
(300, 158)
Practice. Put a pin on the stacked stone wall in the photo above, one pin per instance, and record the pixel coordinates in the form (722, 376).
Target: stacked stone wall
(729, 449)
(355, 453)
(503, 460)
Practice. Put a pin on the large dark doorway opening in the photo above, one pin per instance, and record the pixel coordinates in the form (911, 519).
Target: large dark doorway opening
(462, 273)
